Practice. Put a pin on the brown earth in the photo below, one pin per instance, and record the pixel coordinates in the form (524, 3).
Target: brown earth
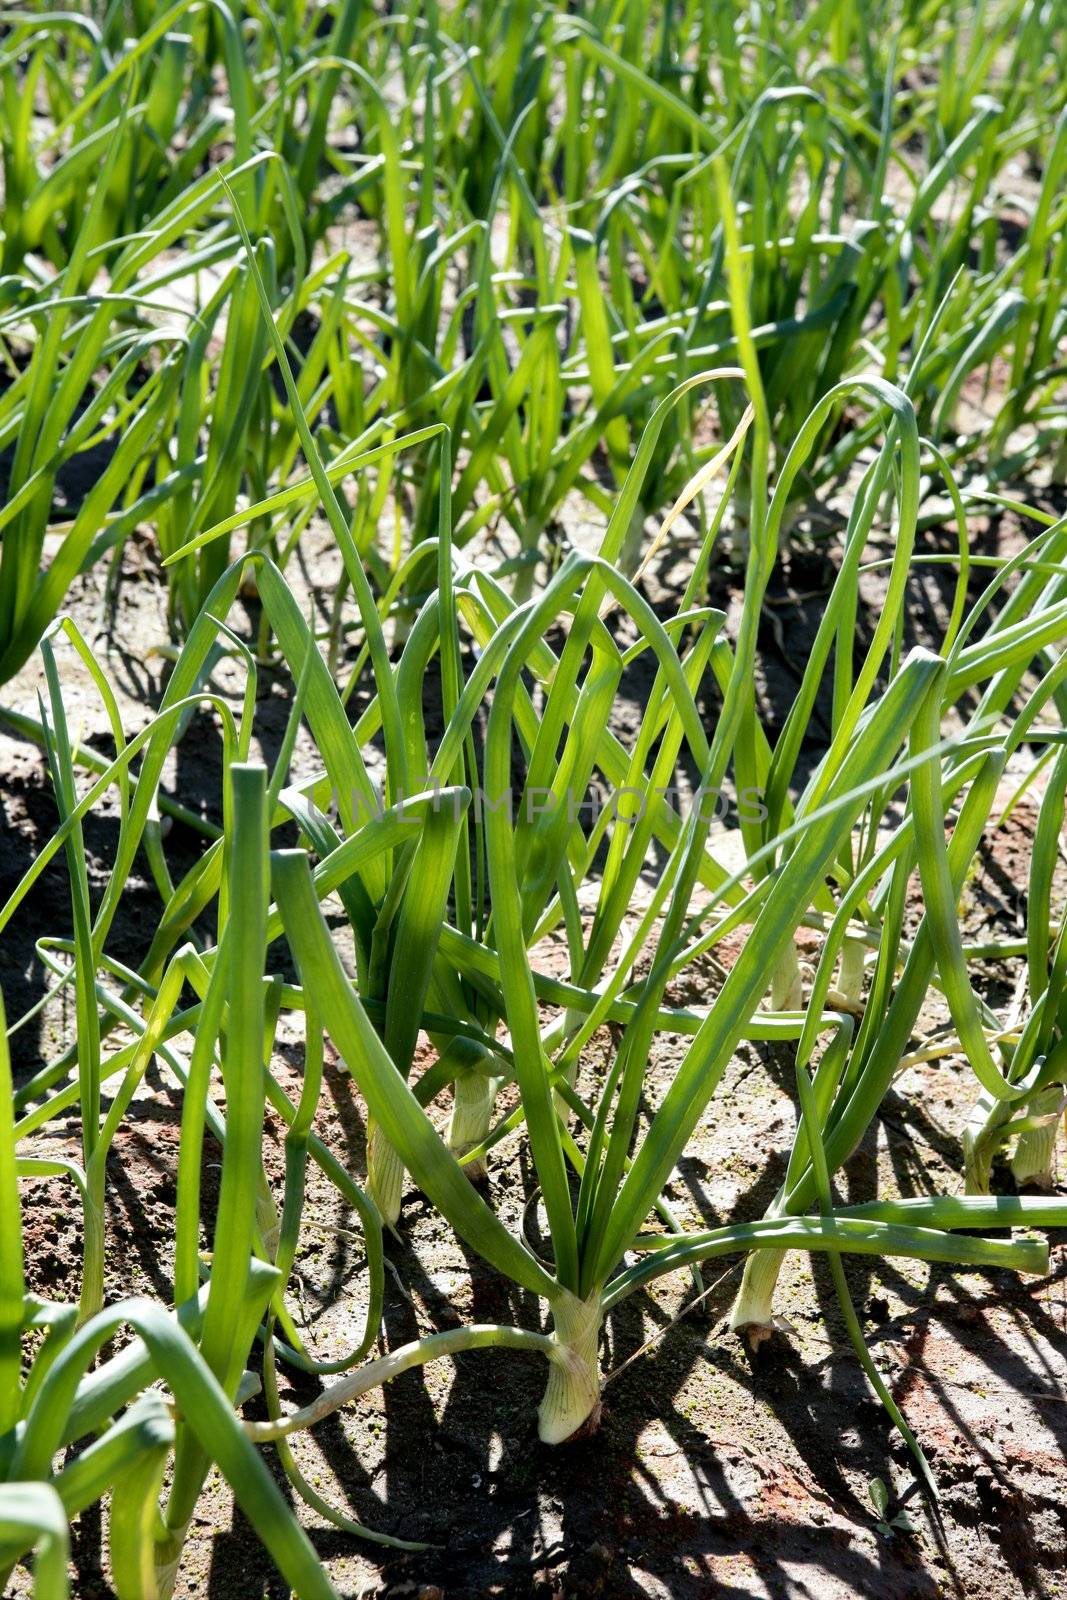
(715, 1471)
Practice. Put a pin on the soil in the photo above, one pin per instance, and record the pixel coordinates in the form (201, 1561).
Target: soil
(716, 1471)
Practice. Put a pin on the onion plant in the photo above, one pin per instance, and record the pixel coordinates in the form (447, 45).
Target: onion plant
(620, 1168)
(1019, 1059)
(448, 948)
(537, 292)
(198, 1354)
(584, 228)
